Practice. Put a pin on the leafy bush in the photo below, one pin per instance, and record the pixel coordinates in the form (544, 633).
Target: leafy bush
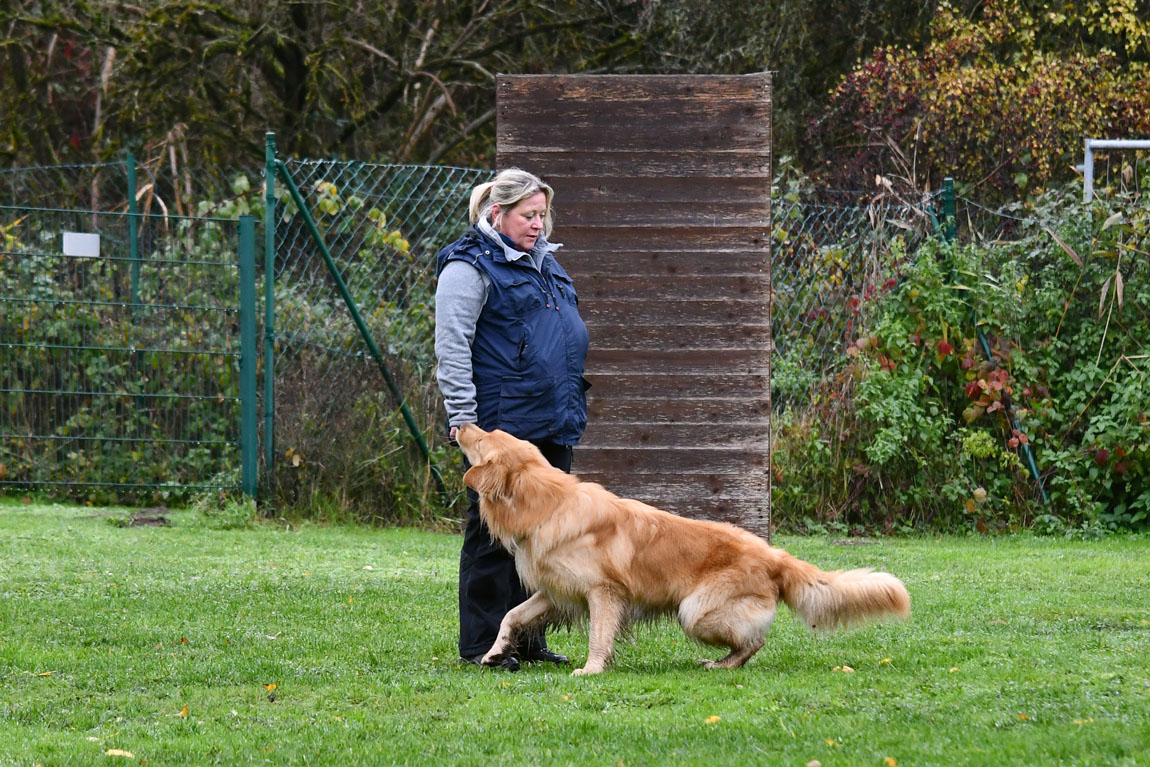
(921, 427)
(1001, 98)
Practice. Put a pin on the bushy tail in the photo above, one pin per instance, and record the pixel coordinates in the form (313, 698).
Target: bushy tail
(829, 600)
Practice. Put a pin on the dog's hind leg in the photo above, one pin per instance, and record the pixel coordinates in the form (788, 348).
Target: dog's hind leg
(528, 614)
(739, 625)
(607, 612)
(736, 657)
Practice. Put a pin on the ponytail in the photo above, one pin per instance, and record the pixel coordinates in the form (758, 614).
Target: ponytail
(479, 196)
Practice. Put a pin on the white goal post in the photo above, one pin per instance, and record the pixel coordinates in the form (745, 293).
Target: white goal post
(1088, 158)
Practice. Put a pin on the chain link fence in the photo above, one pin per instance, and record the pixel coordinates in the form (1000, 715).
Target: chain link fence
(120, 353)
(382, 225)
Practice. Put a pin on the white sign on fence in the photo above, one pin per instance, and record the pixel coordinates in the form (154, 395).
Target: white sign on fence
(81, 245)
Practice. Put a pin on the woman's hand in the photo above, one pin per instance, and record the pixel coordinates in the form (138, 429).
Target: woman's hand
(452, 433)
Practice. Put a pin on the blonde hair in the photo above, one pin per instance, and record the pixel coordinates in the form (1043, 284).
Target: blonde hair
(509, 187)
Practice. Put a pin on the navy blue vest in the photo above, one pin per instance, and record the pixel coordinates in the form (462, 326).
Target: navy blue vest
(530, 345)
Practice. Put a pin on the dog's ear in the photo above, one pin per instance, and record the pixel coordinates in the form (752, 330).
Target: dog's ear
(492, 480)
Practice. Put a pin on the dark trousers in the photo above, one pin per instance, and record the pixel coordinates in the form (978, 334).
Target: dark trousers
(488, 583)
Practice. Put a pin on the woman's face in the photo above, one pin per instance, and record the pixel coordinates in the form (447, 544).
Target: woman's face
(523, 222)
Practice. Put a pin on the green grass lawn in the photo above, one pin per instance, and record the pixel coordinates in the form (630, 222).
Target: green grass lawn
(189, 645)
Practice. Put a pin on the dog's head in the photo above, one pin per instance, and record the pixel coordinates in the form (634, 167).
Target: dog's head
(498, 461)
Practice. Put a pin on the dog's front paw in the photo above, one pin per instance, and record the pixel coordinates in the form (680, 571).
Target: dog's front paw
(498, 653)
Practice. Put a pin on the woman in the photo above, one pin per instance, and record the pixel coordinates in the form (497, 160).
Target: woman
(511, 347)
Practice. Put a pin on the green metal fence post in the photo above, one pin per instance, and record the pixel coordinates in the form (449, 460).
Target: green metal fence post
(133, 234)
(333, 269)
(134, 260)
(269, 301)
(249, 405)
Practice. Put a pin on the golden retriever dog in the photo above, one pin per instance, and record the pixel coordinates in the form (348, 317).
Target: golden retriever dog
(585, 551)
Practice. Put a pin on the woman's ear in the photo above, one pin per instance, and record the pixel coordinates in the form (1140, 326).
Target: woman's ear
(491, 480)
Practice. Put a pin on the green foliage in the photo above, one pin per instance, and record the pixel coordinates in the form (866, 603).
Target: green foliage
(927, 431)
(1001, 98)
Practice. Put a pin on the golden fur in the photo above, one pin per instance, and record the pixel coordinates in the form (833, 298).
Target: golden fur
(586, 551)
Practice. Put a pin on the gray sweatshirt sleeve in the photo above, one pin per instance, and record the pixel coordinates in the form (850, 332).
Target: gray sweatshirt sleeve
(459, 298)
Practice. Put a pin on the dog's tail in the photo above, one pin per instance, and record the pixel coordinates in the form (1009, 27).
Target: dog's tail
(829, 600)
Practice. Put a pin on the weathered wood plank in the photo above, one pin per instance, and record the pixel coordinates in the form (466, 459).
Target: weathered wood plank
(735, 101)
(655, 337)
(677, 214)
(603, 359)
(668, 165)
(710, 190)
(604, 433)
(675, 287)
(715, 239)
(711, 412)
(540, 119)
(632, 88)
(673, 385)
(617, 127)
(656, 263)
(666, 460)
(642, 311)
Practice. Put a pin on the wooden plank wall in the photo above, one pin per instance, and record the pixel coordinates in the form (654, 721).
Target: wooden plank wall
(662, 202)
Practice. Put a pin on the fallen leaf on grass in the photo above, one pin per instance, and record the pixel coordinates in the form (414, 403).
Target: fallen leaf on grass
(270, 687)
(714, 719)
(119, 752)
(1023, 717)
(45, 673)
(814, 763)
(1083, 721)
(844, 669)
(183, 713)
(953, 670)
(890, 761)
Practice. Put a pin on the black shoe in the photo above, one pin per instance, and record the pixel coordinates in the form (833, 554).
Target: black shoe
(509, 662)
(545, 656)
